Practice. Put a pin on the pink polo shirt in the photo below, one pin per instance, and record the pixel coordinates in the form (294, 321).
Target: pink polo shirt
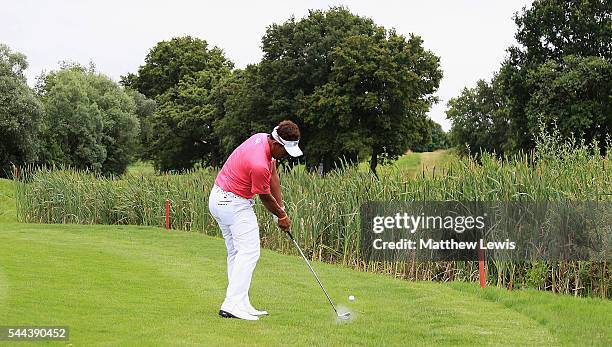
(248, 169)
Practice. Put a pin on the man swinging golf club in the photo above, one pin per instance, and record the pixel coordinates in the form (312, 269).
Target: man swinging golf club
(249, 170)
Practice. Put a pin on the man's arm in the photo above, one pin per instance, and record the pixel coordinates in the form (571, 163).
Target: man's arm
(275, 186)
(272, 205)
(261, 185)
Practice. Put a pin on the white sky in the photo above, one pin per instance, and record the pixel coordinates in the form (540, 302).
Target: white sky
(470, 36)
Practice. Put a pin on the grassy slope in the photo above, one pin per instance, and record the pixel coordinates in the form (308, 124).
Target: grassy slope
(141, 168)
(437, 159)
(413, 164)
(136, 285)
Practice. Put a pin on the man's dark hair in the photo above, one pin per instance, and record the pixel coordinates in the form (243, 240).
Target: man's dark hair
(288, 130)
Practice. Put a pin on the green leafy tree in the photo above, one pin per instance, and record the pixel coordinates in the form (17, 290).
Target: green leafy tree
(553, 29)
(354, 89)
(180, 75)
(90, 121)
(129, 80)
(439, 139)
(548, 34)
(575, 96)
(20, 113)
(558, 75)
(376, 97)
(145, 108)
(183, 125)
(240, 109)
(297, 64)
(479, 116)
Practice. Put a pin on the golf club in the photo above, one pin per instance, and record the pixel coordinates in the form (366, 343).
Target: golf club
(343, 316)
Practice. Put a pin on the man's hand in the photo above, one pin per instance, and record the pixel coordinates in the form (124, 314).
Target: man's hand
(284, 223)
(275, 218)
(272, 205)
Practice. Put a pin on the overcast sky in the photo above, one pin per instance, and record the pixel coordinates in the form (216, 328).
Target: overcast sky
(470, 36)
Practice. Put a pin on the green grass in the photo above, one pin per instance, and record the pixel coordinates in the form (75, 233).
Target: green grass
(128, 285)
(439, 159)
(326, 210)
(140, 168)
(412, 164)
(7, 201)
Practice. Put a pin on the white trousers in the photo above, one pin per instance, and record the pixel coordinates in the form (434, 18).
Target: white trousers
(238, 223)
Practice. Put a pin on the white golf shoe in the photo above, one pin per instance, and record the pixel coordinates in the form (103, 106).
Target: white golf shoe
(252, 310)
(235, 311)
(255, 312)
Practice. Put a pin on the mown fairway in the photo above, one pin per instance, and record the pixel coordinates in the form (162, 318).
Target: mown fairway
(145, 286)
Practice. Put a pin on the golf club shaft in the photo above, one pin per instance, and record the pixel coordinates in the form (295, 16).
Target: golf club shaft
(313, 272)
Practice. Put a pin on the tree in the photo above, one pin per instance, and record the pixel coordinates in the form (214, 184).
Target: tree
(240, 110)
(129, 81)
(89, 123)
(558, 75)
(20, 113)
(574, 96)
(553, 29)
(170, 62)
(348, 84)
(439, 139)
(479, 116)
(548, 33)
(182, 125)
(145, 108)
(179, 75)
(376, 97)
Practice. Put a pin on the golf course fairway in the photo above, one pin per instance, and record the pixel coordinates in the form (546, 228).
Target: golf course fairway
(128, 285)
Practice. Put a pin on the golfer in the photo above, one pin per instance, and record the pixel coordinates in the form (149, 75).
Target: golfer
(249, 170)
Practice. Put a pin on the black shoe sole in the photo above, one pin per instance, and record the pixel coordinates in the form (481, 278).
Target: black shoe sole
(225, 314)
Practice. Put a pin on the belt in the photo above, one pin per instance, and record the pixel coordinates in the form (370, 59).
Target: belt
(233, 195)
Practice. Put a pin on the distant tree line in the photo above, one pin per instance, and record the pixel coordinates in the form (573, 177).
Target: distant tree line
(559, 76)
(439, 140)
(73, 117)
(357, 90)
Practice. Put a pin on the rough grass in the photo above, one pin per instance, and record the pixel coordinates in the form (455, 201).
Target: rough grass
(141, 168)
(413, 164)
(144, 286)
(438, 159)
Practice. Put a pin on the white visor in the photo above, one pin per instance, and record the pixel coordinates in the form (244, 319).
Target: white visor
(290, 146)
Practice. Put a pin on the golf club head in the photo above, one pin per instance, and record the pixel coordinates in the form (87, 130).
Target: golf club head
(344, 316)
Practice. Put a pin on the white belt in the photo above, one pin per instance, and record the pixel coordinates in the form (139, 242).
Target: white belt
(218, 189)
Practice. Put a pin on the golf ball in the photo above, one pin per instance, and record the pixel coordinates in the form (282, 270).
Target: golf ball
(351, 298)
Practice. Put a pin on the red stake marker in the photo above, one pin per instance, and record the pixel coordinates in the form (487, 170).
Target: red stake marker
(167, 213)
(481, 268)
